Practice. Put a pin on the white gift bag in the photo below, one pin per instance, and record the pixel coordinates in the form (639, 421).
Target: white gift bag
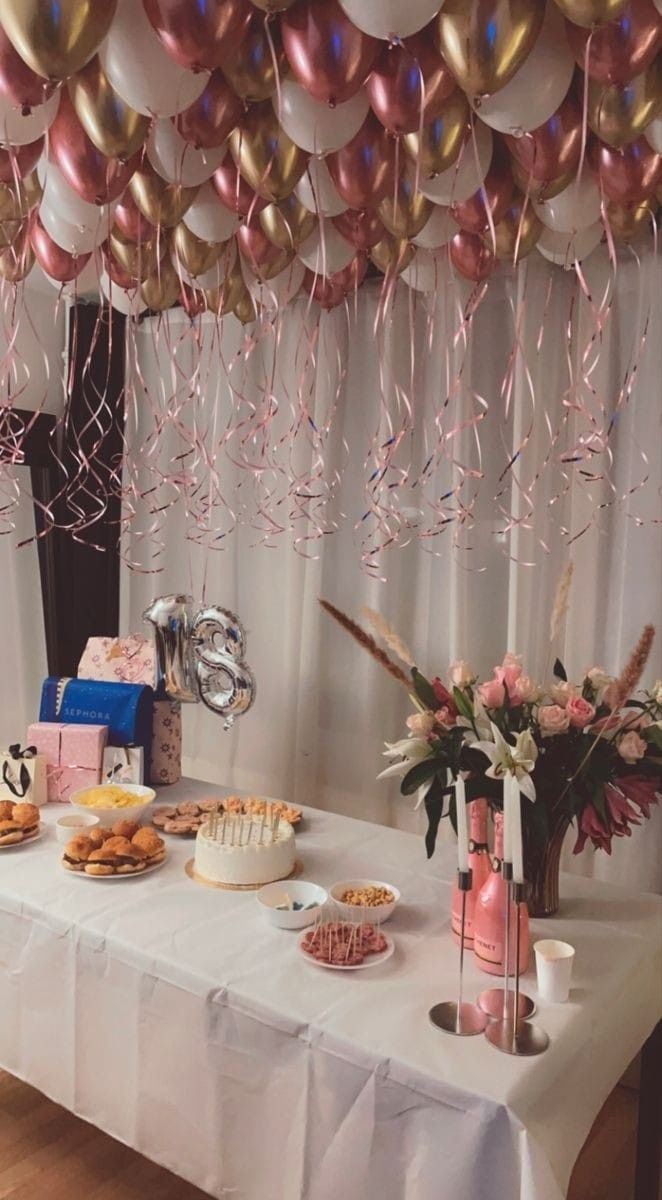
(23, 776)
(122, 764)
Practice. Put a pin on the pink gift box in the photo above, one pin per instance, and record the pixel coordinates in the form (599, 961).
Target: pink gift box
(70, 779)
(83, 746)
(73, 754)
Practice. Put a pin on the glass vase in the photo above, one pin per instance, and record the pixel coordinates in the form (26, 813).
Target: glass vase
(542, 866)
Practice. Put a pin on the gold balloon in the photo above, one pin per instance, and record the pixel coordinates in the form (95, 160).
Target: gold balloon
(591, 12)
(515, 234)
(287, 224)
(266, 157)
(195, 255)
(116, 130)
(12, 202)
(485, 42)
(628, 221)
(254, 76)
(222, 299)
(161, 290)
(160, 202)
(138, 259)
(17, 260)
(56, 40)
(272, 6)
(536, 189)
(438, 144)
(32, 189)
(244, 308)
(392, 255)
(405, 213)
(620, 114)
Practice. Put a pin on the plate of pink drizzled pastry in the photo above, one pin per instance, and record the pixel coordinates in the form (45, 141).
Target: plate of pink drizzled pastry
(346, 945)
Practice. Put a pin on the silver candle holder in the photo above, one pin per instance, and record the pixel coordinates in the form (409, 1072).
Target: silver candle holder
(459, 1016)
(511, 1034)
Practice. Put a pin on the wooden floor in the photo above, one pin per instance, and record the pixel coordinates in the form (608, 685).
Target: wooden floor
(48, 1154)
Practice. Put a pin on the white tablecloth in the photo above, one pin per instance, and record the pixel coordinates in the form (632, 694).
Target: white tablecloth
(175, 1018)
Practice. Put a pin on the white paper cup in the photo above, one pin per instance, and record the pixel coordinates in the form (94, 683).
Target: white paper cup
(554, 969)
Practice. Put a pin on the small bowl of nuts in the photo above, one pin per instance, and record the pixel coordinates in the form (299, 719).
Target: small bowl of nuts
(363, 899)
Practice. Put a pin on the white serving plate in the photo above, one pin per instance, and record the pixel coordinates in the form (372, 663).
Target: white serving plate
(372, 960)
(115, 878)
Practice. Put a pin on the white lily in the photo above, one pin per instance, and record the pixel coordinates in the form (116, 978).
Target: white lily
(481, 721)
(518, 760)
(409, 751)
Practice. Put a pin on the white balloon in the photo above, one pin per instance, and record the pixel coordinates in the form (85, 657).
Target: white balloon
(66, 203)
(127, 302)
(576, 207)
(658, 5)
(465, 176)
(568, 248)
(315, 126)
(208, 218)
(20, 130)
(273, 294)
(326, 250)
(176, 160)
(141, 71)
(384, 18)
(438, 229)
(653, 132)
(540, 85)
(75, 239)
(427, 269)
(317, 192)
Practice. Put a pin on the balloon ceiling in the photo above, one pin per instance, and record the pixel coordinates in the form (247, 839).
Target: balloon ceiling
(186, 154)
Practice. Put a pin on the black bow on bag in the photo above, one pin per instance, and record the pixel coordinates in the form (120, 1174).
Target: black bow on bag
(18, 786)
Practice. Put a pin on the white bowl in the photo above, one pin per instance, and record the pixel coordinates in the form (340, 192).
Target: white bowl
(109, 815)
(272, 895)
(355, 912)
(73, 824)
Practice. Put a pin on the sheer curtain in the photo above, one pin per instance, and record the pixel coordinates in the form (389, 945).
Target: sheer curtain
(486, 583)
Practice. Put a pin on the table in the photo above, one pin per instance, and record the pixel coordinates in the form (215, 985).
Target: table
(176, 1019)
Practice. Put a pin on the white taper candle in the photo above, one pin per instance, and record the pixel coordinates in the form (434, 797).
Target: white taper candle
(507, 818)
(461, 819)
(516, 836)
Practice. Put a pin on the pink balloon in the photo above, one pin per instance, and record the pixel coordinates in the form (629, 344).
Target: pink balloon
(364, 170)
(18, 161)
(212, 116)
(407, 76)
(90, 173)
(329, 56)
(471, 257)
(256, 248)
(18, 82)
(631, 173)
(553, 149)
(362, 228)
(130, 221)
(56, 262)
(235, 192)
(197, 34)
(494, 195)
(623, 47)
(192, 301)
(321, 288)
(351, 277)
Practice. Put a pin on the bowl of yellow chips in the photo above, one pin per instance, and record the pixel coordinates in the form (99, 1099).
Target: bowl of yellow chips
(110, 802)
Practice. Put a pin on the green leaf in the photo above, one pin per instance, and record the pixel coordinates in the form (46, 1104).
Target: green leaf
(560, 671)
(653, 735)
(424, 690)
(452, 811)
(434, 807)
(462, 704)
(418, 775)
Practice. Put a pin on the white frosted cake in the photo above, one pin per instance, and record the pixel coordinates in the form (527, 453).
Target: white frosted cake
(244, 851)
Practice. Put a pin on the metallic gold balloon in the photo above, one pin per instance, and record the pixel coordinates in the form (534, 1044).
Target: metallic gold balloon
(250, 68)
(620, 113)
(536, 189)
(405, 213)
(32, 190)
(515, 234)
(138, 259)
(266, 157)
(439, 142)
(195, 255)
(17, 260)
(392, 255)
(244, 308)
(116, 130)
(629, 221)
(160, 202)
(591, 12)
(161, 290)
(485, 42)
(57, 39)
(222, 299)
(13, 203)
(271, 6)
(287, 224)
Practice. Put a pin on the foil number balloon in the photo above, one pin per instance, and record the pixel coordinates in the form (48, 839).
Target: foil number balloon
(200, 656)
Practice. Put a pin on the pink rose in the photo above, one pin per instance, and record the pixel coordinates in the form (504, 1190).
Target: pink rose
(420, 724)
(444, 716)
(509, 671)
(492, 693)
(524, 691)
(632, 747)
(580, 712)
(562, 692)
(552, 719)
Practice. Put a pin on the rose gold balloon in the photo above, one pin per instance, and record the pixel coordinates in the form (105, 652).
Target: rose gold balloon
(196, 34)
(195, 255)
(18, 161)
(192, 301)
(392, 255)
(620, 113)
(250, 68)
(364, 170)
(537, 189)
(351, 277)
(114, 128)
(264, 259)
(118, 275)
(159, 202)
(554, 147)
(621, 49)
(629, 221)
(18, 82)
(57, 38)
(492, 197)
(130, 221)
(407, 77)
(329, 56)
(438, 144)
(516, 233)
(90, 173)
(235, 192)
(629, 174)
(287, 224)
(267, 158)
(405, 210)
(322, 289)
(485, 42)
(361, 227)
(52, 259)
(589, 13)
(471, 257)
(211, 117)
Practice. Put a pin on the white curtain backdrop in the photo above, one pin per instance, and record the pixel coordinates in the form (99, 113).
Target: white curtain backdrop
(23, 644)
(324, 708)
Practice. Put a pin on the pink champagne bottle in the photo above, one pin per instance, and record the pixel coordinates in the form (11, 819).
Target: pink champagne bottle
(490, 918)
(480, 866)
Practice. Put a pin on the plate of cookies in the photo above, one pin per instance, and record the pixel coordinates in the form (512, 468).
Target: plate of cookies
(19, 823)
(186, 818)
(121, 852)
